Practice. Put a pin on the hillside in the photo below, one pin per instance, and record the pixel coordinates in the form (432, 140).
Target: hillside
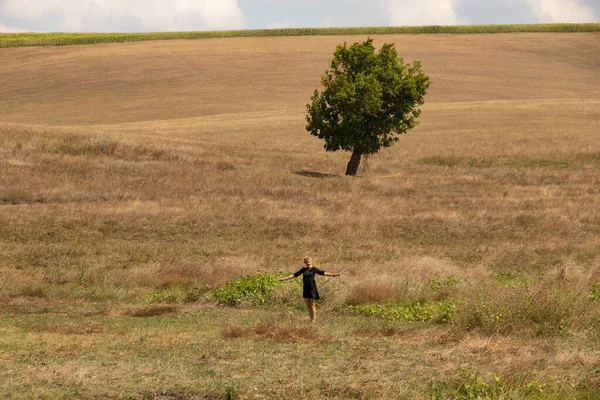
(149, 81)
(137, 178)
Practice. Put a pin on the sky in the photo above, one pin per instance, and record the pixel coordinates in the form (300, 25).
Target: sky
(193, 15)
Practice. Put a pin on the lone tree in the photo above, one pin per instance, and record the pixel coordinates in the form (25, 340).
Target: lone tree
(367, 100)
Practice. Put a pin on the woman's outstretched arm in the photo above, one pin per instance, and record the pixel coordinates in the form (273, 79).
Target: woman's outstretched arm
(290, 276)
(330, 274)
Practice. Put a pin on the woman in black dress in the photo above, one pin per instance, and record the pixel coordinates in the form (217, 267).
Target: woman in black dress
(309, 286)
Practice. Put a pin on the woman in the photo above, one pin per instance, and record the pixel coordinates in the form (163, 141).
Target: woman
(309, 286)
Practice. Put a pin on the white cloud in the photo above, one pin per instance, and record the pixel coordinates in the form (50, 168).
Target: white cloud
(182, 15)
(10, 29)
(124, 15)
(326, 21)
(423, 12)
(286, 23)
(562, 11)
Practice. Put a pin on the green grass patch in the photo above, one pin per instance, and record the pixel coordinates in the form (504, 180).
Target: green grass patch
(65, 39)
(469, 384)
(163, 296)
(435, 284)
(414, 311)
(511, 279)
(595, 292)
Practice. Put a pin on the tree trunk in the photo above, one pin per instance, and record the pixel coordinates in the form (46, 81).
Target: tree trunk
(353, 164)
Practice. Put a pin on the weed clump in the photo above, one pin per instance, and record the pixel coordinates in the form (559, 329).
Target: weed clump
(595, 292)
(470, 385)
(511, 279)
(542, 309)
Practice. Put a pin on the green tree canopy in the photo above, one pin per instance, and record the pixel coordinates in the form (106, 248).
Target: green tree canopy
(368, 99)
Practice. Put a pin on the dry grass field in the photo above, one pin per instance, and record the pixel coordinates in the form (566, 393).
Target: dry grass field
(137, 178)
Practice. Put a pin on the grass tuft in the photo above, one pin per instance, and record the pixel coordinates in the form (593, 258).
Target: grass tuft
(416, 311)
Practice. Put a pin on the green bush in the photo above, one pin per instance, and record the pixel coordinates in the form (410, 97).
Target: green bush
(255, 290)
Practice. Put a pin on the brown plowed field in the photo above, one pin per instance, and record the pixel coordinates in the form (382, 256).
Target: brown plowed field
(152, 81)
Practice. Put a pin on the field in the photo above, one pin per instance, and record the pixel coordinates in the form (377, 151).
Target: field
(138, 179)
(71, 38)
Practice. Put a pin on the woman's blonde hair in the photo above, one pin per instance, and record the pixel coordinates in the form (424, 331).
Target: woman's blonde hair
(307, 258)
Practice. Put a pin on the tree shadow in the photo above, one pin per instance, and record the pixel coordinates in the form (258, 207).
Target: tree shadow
(312, 174)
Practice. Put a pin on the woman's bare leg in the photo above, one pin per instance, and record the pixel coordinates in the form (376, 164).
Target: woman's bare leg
(312, 310)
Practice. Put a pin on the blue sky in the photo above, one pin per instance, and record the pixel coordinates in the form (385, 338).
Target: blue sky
(177, 15)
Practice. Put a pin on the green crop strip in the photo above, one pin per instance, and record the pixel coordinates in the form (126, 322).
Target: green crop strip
(65, 39)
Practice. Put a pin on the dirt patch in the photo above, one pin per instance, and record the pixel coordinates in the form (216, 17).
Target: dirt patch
(180, 395)
(154, 311)
(275, 332)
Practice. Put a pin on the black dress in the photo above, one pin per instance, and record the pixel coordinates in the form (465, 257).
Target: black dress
(309, 286)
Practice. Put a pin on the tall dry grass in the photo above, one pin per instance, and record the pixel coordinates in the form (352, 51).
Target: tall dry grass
(127, 211)
(94, 218)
